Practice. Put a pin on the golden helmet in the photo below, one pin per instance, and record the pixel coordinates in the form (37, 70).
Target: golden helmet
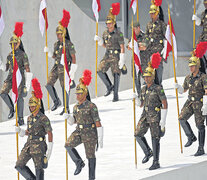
(81, 89)
(154, 8)
(34, 101)
(60, 29)
(110, 18)
(204, 1)
(149, 71)
(113, 12)
(14, 39)
(194, 61)
(63, 24)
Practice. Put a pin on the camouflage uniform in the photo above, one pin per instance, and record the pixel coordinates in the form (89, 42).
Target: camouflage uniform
(196, 86)
(151, 97)
(35, 146)
(203, 36)
(112, 41)
(58, 69)
(154, 39)
(85, 116)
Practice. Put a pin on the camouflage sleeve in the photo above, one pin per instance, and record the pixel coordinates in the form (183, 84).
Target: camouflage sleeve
(185, 84)
(204, 79)
(141, 96)
(164, 26)
(94, 112)
(146, 36)
(103, 35)
(202, 18)
(75, 112)
(120, 38)
(46, 124)
(71, 48)
(25, 59)
(161, 93)
(55, 47)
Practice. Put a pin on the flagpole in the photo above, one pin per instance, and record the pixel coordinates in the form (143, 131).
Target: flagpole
(176, 91)
(65, 109)
(17, 139)
(137, 11)
(134, 109)
(48, 99)
(96, 57)
(194, 11)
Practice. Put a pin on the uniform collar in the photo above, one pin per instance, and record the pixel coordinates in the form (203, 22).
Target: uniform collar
(197, 75)
(38, 115)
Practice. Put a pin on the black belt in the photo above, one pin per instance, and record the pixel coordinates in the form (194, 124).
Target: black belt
(192, 98)
(113, 51)
(82, 126)
(31, 137)
(160, 41)
(152, 109)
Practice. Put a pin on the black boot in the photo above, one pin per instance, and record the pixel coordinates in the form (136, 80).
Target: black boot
(145, 147)
(9, 103)
(76, 159)
(189, 133)
(39, 174)
(104, 77)
(92, 168)
(116, 87)
(156, 153)
(67, 102)
(26, 172)
(201, 139)
(138, 83)
(20, 121)
(54, 96)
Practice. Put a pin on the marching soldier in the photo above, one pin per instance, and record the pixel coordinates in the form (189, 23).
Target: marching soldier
(140, 36)
(113, 41)
(57, 71)
(154, 103)
(38, 125)
(23, 65)
(196, 84)
(88, 129)
(155, 35)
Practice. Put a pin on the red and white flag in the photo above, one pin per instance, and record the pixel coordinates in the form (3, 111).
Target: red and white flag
(67, 76)
(16, 81)
(137, 59)
(133, 5)
(168, 44)
(96, 7)
(2, 25)
(42, 19)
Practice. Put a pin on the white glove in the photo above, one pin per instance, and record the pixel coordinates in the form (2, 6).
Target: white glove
(121, 60)
(196, 19)
(73, 69)
(100, 136)
(134, 95)
(137, 100)
(28, 76)
(70, 118)
(179, 87)
(47, 50)
(204, 107)
(163, 118)
(49, 150)
(20, 131)
(99, 39)
(2, 66)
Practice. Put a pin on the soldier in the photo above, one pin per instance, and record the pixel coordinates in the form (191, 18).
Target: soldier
(38, 125)
(196, 83)
(154, 103)
(88, 130)
(113, 41)
(57, 71)
(23, 64)
(154, 36)
(140, 36)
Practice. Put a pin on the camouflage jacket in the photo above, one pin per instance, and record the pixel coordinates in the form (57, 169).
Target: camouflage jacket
(37, 127)
(152, 98)
(196, 85)
(203, 36)
(22, 61)
(112, 41)
(58, 48)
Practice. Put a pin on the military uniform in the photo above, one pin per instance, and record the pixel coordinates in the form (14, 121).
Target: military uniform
(154, 39)
(203, 36)
(22, 61)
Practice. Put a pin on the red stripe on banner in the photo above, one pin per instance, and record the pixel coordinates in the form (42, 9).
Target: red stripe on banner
(0, 11)
(43, 13)
(136, 58)
(99, 5)
(132, 1)
(14, 80)
(66, 67)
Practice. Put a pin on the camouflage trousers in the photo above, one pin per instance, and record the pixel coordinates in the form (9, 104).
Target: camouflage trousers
(107, 62)
(33, 151)
(191, 108)
(57, 72)
(202, 38)
(77, 138)
(145, 123)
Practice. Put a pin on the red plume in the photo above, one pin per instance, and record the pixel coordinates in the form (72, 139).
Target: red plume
(18, 29)
(86, 77)
(37, 88)
(115, 8)
(66, 18)
(158, 2)
(201, 49)
(155, 60)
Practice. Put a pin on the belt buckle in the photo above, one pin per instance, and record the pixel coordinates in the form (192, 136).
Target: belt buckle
(146, 108)
(30, 137)
(56, 62)
(93, 126)
(116, 52)
(157, 109)
(41, 139)
(161, 41)
(201, 99)
(192, 98)
(81, 126)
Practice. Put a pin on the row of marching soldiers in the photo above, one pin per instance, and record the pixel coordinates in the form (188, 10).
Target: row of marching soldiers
(85, 113)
